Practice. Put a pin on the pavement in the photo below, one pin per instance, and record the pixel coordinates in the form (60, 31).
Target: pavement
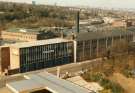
(75, 67)
(94, 87)
(72, 68)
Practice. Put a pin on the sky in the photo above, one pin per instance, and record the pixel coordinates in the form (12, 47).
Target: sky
(89, 3)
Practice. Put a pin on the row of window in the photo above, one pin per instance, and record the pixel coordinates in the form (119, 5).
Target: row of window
(45, 64)
(19, 36)
(87, 49)
(45, 53)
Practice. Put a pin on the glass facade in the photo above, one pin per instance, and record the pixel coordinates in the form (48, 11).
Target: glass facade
(44, 56)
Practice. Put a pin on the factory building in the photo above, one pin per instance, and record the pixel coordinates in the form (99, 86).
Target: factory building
(21, 34)
(35, 55)
(43, 82)
(30, 56)
(95, 44)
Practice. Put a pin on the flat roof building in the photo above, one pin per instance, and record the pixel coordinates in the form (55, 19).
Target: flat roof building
(35, 55)
(30, 56)
(21, 34)
(96, 44)
(46, 82)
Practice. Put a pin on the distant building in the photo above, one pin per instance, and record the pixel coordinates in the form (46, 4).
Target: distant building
(115, 22)
(84, 22)
(20, 34)
(35, 55)
(33, 2)
(108, 20)
(96, 21)
(130, 22)
(119, 23)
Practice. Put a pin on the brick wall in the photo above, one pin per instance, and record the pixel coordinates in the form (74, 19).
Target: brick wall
(5, 58)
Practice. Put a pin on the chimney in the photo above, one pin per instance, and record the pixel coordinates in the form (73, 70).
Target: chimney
(33, 2)
(77, 21)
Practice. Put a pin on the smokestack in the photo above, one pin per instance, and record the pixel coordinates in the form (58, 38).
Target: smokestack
(77, 21)
(33, 2)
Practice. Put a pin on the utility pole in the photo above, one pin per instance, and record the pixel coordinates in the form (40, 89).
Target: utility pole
(77, 21)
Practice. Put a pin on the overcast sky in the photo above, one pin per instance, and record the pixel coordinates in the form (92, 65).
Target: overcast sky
(90, 3)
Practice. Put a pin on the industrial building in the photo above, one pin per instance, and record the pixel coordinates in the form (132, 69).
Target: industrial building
(91, 45)
(22, 34)
(95, 44)
(44, 82)
(35, 55)
(30, 56)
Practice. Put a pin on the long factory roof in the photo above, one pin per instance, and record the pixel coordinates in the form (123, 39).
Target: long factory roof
(39, 42)
(46, 80)
(100, 35)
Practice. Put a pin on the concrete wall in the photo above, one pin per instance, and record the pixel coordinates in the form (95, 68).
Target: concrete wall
(14, 58)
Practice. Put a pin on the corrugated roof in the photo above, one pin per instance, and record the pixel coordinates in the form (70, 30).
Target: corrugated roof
(49, 81)
(39, 42)
(24, 85)
(99, 35)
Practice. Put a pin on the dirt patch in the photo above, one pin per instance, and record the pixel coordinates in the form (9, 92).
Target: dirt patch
(127, 83)
(5, 90)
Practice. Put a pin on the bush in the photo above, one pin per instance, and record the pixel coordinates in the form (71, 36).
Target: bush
(105, 91)
(109, 86)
